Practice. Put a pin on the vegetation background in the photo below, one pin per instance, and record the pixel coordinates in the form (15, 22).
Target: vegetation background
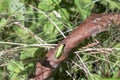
(29, 28)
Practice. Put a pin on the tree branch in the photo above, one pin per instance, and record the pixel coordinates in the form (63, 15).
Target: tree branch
(94, 24)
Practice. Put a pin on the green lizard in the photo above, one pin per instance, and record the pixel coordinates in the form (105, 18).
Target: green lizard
(59, 51)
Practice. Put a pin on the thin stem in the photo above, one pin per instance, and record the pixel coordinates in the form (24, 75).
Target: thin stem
(49, 20)
(26, 29)
(28, 45)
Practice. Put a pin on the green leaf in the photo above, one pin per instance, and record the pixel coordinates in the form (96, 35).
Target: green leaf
(27, 53)
(117, 45)
(56, 1)
(94, 77)
(109, 79)
(114, 5)
(22, 34)
(50, 29)
(15, 66)
(84, 7)
(64, 14)
(3, 22)
(111, 4)
(46, 5)
(15, 76)
(18, 6)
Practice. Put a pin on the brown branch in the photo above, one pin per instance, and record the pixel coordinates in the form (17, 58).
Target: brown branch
(94, 24)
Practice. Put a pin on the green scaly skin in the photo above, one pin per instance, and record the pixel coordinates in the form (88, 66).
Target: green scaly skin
(59, 51)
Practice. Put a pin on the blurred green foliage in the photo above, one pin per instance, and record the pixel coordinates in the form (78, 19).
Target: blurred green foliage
(21, 23)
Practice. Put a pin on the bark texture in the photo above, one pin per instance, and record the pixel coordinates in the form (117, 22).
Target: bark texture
(94, 24)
